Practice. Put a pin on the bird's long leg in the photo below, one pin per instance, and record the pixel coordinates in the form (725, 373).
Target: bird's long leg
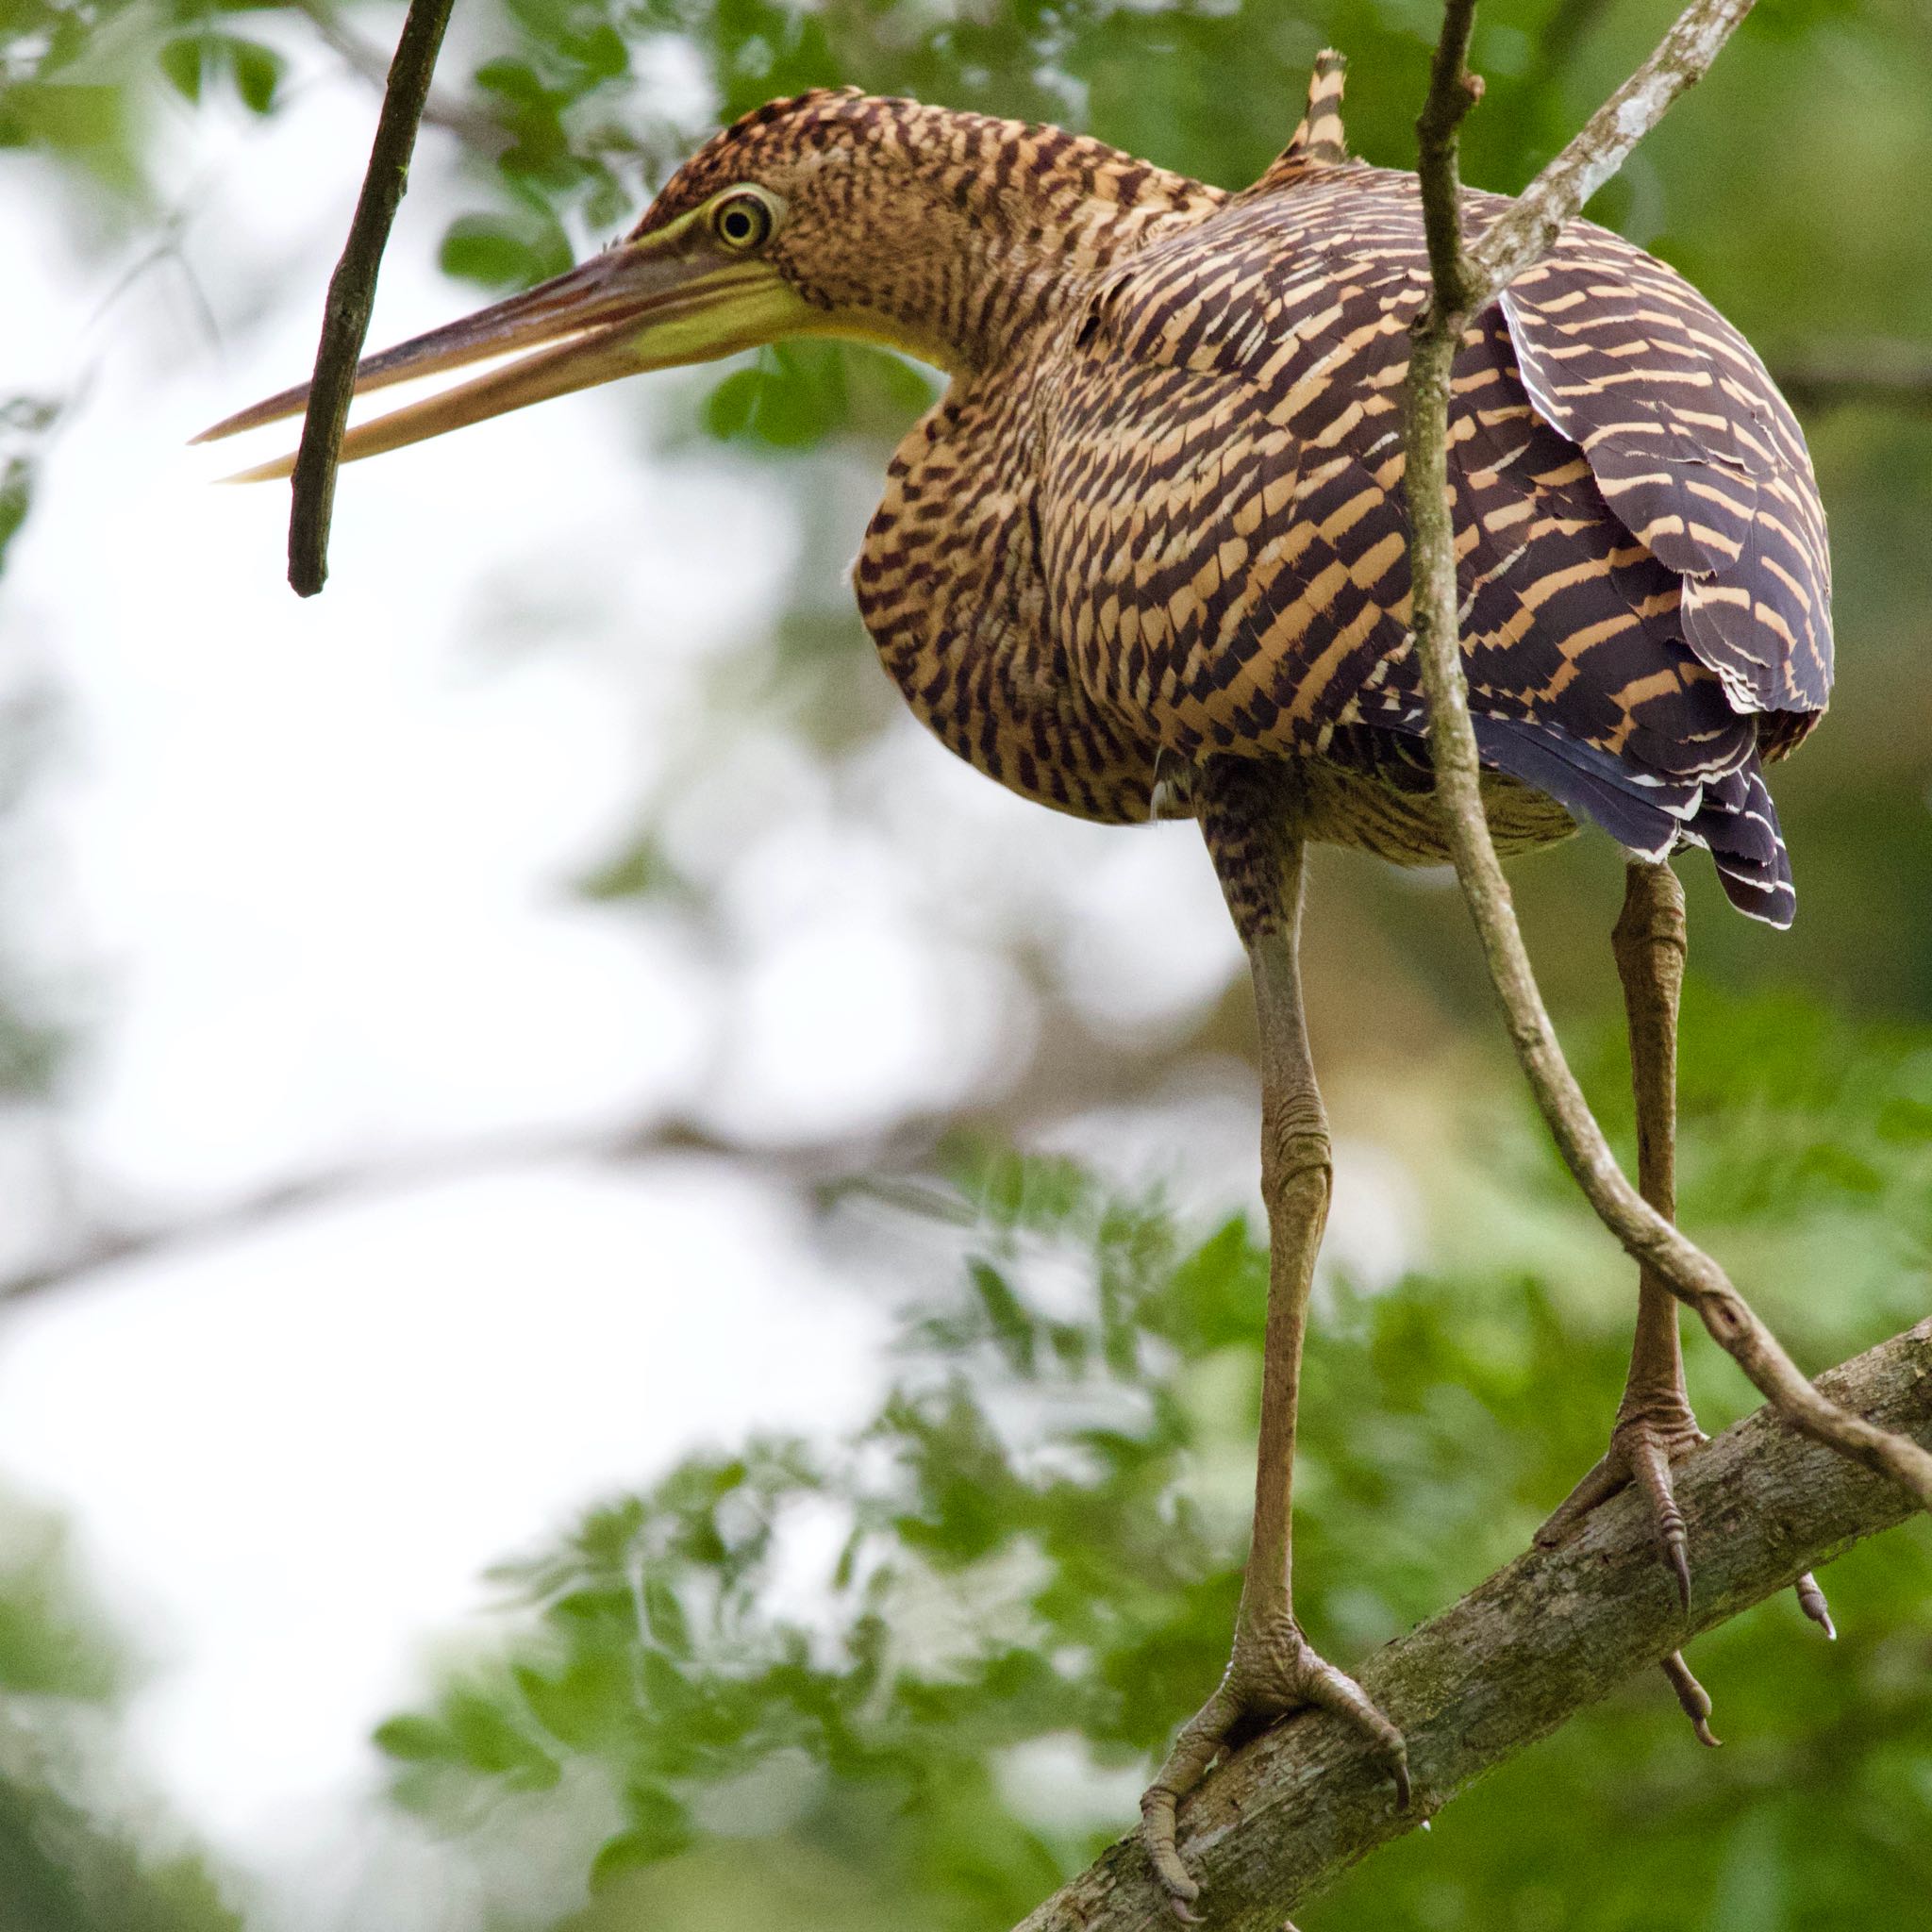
(1655, 1426)
(1247, 815)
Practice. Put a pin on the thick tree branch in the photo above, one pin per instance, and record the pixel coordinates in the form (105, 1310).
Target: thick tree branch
(1465, 279)
(1519, 1657)
(352, 293)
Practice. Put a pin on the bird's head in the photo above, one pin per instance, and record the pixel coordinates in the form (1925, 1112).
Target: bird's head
(944, 235)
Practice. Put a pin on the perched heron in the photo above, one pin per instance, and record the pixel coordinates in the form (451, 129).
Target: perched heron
(1146, 558)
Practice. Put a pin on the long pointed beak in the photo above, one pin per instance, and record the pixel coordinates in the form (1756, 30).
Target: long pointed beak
(668, 299)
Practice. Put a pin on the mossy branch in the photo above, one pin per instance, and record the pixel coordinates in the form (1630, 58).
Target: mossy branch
(352, 294)
(1519, 1657)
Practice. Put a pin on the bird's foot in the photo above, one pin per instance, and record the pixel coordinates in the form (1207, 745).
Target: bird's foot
(1644, 1446)
(1272, 1673)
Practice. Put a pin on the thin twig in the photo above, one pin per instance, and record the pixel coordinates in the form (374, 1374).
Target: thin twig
(1512, 244)
(1517, 1659)
(1527, 232)
(1453, 91)
(352, 293)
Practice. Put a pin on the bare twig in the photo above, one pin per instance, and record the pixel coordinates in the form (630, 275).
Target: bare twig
(1525, 234)
(1516, 1659)
(352, 292)
(1453, 91)
(1465, 279)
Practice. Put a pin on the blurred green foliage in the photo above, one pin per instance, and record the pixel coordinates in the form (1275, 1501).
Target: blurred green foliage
(66, 1864)
(30, 1038)
(911, 1680)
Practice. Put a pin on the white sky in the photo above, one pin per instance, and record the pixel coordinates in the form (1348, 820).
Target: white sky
(311, 864)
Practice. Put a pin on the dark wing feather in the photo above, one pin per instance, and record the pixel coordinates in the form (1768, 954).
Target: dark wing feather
(1224, 534)
(1695, 451)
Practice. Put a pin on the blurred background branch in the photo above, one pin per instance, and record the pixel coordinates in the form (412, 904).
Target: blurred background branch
(1881, 374)
(474, 126)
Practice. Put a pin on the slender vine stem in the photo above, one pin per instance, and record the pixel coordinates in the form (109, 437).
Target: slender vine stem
(1465, 278)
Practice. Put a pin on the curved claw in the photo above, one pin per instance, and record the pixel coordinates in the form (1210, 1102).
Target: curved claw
(1811, 1601)
(1251, 1694)
(1650, 1463)
(1336, 1691)
(1692, 1696)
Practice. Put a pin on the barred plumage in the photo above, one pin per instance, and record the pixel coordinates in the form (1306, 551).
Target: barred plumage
(1178, 525)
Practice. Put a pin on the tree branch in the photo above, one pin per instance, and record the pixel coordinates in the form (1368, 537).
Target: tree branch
(872, 1158)
(352, 293)
(1465, 279)
(1526, 233)
(1071, 1072)
(1885, 375)
(1519, 1657)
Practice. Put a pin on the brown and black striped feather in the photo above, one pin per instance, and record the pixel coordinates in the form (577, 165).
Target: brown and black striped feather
(1642, 556)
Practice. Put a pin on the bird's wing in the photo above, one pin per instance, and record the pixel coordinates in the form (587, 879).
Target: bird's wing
(1694, 449)
(1225, 535)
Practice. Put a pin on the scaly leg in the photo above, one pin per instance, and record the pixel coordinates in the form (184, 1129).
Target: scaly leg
(1655, 1426)
(1247, 815)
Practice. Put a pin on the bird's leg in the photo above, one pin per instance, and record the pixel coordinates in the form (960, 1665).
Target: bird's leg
(1655, 1426)
(1247, 817)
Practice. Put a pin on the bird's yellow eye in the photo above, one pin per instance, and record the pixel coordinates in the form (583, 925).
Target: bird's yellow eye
(742, 221)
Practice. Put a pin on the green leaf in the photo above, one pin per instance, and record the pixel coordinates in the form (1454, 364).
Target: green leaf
(664, 1617)
(504, 250)
(514, 80)
(659, 1829)
(16, 499)
(185, 60)
(257, 72)
(729, 407)
(413, 1740)
(1011, 1328)
(642, 870)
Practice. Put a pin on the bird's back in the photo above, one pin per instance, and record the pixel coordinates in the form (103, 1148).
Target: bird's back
(1640, 549)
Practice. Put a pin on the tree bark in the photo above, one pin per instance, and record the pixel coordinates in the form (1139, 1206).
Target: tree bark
(1519, 1657)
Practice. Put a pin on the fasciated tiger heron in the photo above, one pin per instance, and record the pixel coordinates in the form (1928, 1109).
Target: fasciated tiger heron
(1146, 558)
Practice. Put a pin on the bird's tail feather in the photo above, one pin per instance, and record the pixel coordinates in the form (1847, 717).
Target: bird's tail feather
(1730, 815)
